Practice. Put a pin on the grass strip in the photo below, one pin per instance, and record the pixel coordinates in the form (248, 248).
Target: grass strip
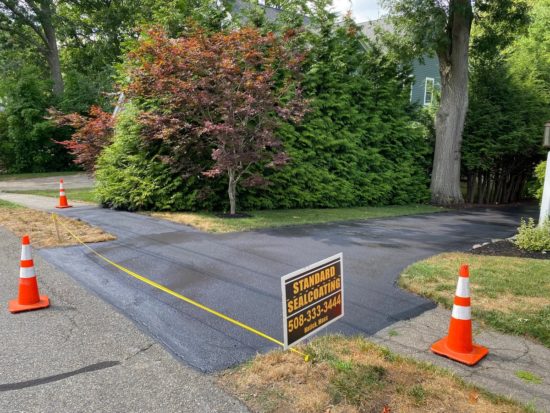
(13, 177)
(8, 205)
(509, 294)
(76, 194)
(277, 218)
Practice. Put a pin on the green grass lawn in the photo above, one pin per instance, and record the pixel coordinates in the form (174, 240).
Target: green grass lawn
(509, 294)
(13, 177)
(76, 194)
(9, 205)
(277, 218)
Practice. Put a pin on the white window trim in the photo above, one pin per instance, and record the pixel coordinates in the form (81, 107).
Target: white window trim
(426, 90)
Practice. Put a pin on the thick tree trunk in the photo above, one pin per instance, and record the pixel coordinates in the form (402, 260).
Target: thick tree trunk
(232, 192)
(38, 16)
(51, 51)
(449, 122)
(52, 55)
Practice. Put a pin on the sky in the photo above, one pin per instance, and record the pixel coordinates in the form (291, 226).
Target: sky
(363, 10)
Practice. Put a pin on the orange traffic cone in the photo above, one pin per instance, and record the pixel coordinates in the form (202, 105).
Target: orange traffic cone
(458, 344)
(62, 197)
(28, 299)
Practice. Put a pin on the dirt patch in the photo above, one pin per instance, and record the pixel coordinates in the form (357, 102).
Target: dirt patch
(204, 223)
(507, 248)
(508, 303)
(40, 227)
(353, 375)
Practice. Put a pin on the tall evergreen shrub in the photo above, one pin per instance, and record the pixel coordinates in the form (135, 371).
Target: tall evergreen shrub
(130, 175)
(360, 143)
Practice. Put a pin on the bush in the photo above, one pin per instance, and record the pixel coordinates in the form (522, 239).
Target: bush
(538, 184)
(126, 179)
(28, 142)
(131, 176)
(6, 146)
(359, 144)
(533, 238)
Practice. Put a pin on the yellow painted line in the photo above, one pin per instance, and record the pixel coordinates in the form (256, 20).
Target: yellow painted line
(178, 295)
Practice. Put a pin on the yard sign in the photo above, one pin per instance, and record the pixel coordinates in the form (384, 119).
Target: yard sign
(313, 297)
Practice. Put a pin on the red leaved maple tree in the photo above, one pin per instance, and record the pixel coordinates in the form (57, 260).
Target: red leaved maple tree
(220, 94)
(92, 134)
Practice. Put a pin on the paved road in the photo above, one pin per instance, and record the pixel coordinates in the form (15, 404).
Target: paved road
(80, 180)
(239, 274)
(80, 355)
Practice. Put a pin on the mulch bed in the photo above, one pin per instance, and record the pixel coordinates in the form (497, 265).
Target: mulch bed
(508, 249)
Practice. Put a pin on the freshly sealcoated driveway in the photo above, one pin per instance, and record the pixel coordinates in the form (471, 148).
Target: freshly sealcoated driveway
(239, 273)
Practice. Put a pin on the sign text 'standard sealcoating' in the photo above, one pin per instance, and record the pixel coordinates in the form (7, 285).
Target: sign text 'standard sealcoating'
(313, 297)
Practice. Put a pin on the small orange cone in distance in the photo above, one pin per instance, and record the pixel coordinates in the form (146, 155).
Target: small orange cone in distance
(458, 344)
(62, 197)
(29, 298)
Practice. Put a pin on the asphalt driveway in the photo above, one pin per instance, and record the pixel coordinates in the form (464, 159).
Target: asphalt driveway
(239, 273)
(81, 356)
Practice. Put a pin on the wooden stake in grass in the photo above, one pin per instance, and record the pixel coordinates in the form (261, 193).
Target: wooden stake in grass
(56, 225)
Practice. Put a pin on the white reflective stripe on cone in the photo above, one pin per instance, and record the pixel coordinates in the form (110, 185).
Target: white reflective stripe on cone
(26, 253)
(61, 187)
(26, 272)
(463, 287)
(461, 313)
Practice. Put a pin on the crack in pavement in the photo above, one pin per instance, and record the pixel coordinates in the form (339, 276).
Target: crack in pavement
(140, 351)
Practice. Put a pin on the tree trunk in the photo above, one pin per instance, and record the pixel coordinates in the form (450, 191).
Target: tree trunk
(471, 187)
(449, 122)
(51, 51)
(490, 188)
(516, 186)
(52, 55)
(482, 187)
(479, 180)
(501, 186)
(232, 192)
(38, 16)
(521, 186)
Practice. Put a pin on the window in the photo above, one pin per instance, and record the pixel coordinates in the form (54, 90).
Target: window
(429, 90)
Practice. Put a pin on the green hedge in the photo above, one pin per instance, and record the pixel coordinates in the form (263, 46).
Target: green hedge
(360, 144)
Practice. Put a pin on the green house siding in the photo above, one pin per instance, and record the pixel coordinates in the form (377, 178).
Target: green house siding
(429, 69)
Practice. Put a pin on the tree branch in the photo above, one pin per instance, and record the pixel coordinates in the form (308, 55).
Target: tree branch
(24, 18)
